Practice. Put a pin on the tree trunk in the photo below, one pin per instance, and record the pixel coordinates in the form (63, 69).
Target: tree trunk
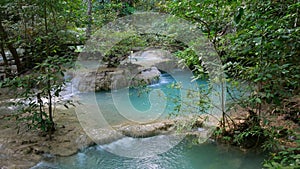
(3, 54)
(51, 127)
(6, 66)
(11, 48)
(89, 14)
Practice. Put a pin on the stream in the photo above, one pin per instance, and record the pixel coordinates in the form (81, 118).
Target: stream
(156, 101)
(184, 155)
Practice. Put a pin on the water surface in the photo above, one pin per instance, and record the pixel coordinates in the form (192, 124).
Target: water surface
(183, 156)
(156, 101)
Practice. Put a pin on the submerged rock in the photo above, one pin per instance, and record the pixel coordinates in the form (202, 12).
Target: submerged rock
(104, 136)
(147, 130)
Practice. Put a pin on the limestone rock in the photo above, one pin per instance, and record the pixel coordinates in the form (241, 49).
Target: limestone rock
(147, 130)
(114, 78)
(142, 69)
(104, 136)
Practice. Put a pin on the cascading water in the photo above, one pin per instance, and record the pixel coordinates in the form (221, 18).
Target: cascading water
(139, 98)
(185, 155)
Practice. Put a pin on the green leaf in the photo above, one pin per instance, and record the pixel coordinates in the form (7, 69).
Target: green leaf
(238, 15)
(257, 40)
(258, 100)
(269, 75)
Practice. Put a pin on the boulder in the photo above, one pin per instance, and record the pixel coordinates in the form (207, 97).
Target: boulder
(141, 69)
(104, 79)
(104, 136)
(147, 130)
(146, 77)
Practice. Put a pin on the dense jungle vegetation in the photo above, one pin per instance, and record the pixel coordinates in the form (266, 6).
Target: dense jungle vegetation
(257, 41)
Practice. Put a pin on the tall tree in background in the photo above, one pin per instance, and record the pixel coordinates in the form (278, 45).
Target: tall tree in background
(47, 31)
(23, 26)
(90, 18)
(257, 42)
(5, 41)
(264, 51)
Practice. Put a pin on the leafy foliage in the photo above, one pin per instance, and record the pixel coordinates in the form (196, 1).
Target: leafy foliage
(258, 44)
(41, 28)
(257, 41)
(286, 159)
(36, 92)
(265, 51)
(45, 31)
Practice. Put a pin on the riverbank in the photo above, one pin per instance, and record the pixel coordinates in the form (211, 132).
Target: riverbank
(28, 147)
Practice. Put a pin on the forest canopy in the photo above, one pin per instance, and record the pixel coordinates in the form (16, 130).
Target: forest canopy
(257, 41)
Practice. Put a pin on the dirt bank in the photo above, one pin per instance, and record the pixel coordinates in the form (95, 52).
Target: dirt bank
(25, 149)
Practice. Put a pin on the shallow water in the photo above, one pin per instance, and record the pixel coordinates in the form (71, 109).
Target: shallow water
(146, 103)
(149, 103)
(183, 156)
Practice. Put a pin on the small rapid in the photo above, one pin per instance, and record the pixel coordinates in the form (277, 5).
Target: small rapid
(161, 97)
(183, 156)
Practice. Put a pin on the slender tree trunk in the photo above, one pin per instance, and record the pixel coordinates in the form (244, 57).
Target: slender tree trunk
(50, 106)
(3, 54)
(40, 102)
(89, 14)
(51, 127)
(223, 102)
(6, 66)
(10, 47)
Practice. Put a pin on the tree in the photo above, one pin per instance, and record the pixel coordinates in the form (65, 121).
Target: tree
(258, 43)
(49, 50)
(36, 92)
(255, 47)
(214, 18)
(25, 25)
(266, 53)
(10, 46)
(90, 17)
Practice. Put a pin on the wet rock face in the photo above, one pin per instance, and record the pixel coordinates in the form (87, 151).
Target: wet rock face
(146, 77)
(115, 78)
(142, 69)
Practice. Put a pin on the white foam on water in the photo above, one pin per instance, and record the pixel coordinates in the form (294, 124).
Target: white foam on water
(142, 147)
